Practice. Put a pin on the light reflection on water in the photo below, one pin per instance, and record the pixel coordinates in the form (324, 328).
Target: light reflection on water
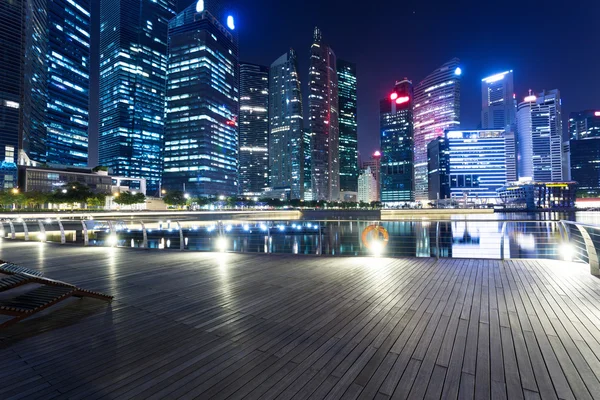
(457, 238)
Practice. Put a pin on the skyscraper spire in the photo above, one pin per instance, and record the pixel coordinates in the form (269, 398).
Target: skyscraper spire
(317, 34)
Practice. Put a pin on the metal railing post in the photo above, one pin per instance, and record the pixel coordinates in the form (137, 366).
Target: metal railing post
(144, 235)
(25, 230)
(591, 250)
(437, 240)
(63, 238)
(42, 230)
(86, 238)
(12, 229)
(502, 234)
(181, 242)
(268, 239)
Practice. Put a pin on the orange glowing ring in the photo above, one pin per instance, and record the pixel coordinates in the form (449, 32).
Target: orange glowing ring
(372, 230)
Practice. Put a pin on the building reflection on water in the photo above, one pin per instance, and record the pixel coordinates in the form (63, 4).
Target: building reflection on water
(412, 238)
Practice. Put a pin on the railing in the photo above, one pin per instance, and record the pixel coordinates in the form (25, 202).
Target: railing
(456, 238)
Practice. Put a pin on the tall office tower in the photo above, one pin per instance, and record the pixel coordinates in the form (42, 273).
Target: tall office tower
(584, 124)
(201, 130)
(396, 119)
(436, 109)
(510, 141)
(374, 163)
(35, 82)
(498, 110)
(68, 62)
(307, 141)
(367, 186)
(12, 42)
(286, 127)
(133, 72)
(477, 162)
(540, 137)
(254, 129)
(348, 152)
(438, 169)
(323, 119)
(584, 130)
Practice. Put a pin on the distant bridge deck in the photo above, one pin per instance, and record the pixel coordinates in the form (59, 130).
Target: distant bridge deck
(209, 325)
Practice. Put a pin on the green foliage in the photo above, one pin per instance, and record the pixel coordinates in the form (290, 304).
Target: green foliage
(96, 201)
(175, 198)
(128, 198)
(100, 168)
(74, 192)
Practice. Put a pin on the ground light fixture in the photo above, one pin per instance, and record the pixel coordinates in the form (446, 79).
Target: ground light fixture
(377, 248)
(221, 244)
(566, 251)
(112, 240)
(42, 237)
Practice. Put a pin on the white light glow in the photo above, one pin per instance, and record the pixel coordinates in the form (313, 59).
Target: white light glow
(567, 251)
(200, 6)
(221, 244)
(530, 98)
(230, 22)
(458, 71)
(228, 228)
(495, 78)
(42, 237)
(376, 248)
(112, 240)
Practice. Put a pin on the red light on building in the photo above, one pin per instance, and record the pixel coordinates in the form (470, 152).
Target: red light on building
(377, 154)
(401, 100)
(230, 122)
(393, 96)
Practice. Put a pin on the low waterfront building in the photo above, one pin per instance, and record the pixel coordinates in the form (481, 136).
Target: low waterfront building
(49, 179)
(532, 196)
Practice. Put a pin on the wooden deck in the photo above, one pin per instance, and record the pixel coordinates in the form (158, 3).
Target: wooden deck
(200, 325)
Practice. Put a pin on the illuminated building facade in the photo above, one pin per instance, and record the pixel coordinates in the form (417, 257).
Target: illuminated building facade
(307, 157)
(348, 152)
(584, 129)
(367, 186)
(254, 128)
(436, 109)
(477, 162)
(540, 137)
(201, 130)
(323, 119)
(584, 124)
(374, 163)
(397, 142)
(68, 82)
(286, 127)
(498, 108)
(438, 169)
(133, 72)
(12, 37)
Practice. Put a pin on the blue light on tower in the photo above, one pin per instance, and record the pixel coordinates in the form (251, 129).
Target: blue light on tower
(458, 71)
(200, 6)
(230, 22)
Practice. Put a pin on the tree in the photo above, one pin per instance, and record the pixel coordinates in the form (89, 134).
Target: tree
(128, 198)
(97, 201)
(36, 199)
(175, 198)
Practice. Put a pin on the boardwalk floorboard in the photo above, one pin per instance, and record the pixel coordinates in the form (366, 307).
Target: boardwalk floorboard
(248, 326)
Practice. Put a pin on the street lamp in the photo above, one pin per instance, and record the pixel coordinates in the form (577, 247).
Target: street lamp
(64, 190)
(186, 196)
(163, 191)
(15, 190)
(221, 197)
(116, 195)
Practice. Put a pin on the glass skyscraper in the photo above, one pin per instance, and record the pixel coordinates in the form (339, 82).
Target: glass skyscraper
(201, 134)
(584, 130)
(307, 138)
(323, 119)
(436, 109)
(12, 42)
(348, 153)
(68, 77)
(498, 108)
(254, 128)
(540, 137)
(133, 70)
(286, 127)
(396, 119)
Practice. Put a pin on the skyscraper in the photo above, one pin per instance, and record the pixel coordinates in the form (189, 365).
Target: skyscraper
(436, 109)
(396, 119)
(254, 128)
(323, 119)
(498, 109)
(286, 128)
(133, 72)
(438, 169)
(68, 59)
(12, 42)
(307, 162)
(201, 132)
(540, 137)
(348, 152)
(584, 130)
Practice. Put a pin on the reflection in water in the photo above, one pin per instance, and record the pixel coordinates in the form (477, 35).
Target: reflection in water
(459, 238)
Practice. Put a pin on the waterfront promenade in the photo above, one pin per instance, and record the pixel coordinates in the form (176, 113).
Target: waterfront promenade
(210, 325)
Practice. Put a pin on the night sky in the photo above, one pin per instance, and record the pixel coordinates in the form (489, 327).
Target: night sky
(548, 44)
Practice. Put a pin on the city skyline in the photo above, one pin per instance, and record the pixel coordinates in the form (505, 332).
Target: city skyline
(481, 55)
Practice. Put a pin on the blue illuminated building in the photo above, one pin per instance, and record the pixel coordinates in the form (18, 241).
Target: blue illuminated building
(584, 129)
(133, 71)
(348, 152)
(68, 82)
(201, 131)
(397, 144)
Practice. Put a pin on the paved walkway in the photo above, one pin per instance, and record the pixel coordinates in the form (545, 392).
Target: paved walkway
(201, 325)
